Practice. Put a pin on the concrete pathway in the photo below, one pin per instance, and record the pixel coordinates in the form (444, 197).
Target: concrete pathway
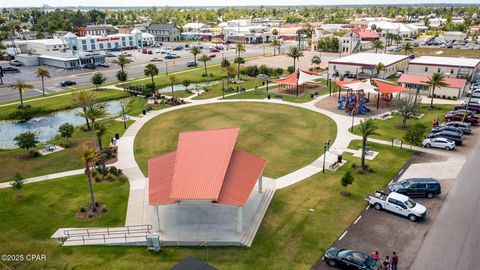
(46, 177)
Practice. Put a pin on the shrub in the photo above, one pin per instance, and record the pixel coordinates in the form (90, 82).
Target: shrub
(123, 178)
(444, 97)
(290, 69)
(449, 97)
(204, 74)
(279, 71)
(211, 75)
(110, 177)
(454, 98)
(26, 113)
(82, 209)
(97, 204)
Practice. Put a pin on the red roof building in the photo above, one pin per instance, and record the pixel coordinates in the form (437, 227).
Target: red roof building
(206, 166)
(454, 86)
(366, 34)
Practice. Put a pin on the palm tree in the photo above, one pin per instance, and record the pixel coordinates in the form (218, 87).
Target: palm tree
(173, 81)
(205, 58)
(239, 49)
(151, 70)
(316, 60)
(42, 73)
(367, 128)
(195, 51)
(377, 45)
(276, 44)
(436, 80)
(100, 130)
(88, 156)
(239, 60)
(295, 53)
(379, 67)
(83, 99)
(122, 60)
(94, 112)
(20, 86)
(407, 48)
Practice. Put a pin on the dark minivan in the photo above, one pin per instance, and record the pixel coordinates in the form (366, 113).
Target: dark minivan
(457, 138)
(425, 187)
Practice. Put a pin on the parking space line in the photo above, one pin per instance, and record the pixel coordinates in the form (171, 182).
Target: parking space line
(367, 207)
(343, 235)
(356, 220)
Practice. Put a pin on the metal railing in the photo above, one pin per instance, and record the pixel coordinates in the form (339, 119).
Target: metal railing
(104, 237)
(108, 231)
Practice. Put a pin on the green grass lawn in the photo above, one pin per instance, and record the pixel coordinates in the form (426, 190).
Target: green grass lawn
(179, 94)
(12, 160)
(287, 137)
(262, 94)
(290, 237)
(445, 52)
(137, 105)
(63, 102)
(393, 128)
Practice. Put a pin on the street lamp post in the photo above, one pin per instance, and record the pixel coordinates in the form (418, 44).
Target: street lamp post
(123, 117)
(223, 89)
(353, 118)
(326, 145)
(166, 67)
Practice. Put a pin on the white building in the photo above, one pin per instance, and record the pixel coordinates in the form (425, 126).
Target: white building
(402, 29)
(454, 36)
(243, 31)
(463, 68)
(148, 39)
(366, 62)
(454, 87)
(40, 45)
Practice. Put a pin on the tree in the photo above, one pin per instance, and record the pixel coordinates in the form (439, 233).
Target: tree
(415, 134)
(347, 179)
(151, 70)
(225, 63)
(122, 60)
(436, 80)
(379, 67)
(173, 81)
(316, 60)
(186, 83)
(239, 49)
(275, 32)
(276, 45)
(20, 86)
(66, 130)
(205, 58)
(26, 140)
(406, 106)
(100, 131)
(367, 128)
(295, 53)
(408, 48)
(83, 99)
(42, 73)
(377, 45)
(18, 181)
(88, 156)
(195, 51)
(98, 79)
(122, 76)
(239, 60)
(94, 112)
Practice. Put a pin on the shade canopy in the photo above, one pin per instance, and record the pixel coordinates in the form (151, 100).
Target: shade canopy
(366, 87)
(299, 77)
(387, 88)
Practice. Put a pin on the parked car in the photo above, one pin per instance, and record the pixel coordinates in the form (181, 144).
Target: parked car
(214, 50)
(144, 51)
(447, 128)
(212, 55)
(439, 142)
(171, 56)
(192, 64)
(462, 117)
(10, 70)
(150, 52)
(465, 127)
(90, 66)
(157, 51)
(110, 55)
(424, 187)
(178, 48)
(15, 63)
(67, 83)
(447, 135)
(126, 54)
(156, 59)
(397, 203)
(105, 65)
(474, 107)
(349, 259)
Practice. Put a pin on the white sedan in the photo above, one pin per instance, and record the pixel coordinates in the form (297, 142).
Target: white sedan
(439, 143)
(156, 59)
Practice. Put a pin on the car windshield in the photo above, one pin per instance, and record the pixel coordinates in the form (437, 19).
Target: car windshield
(405, 184)
(343, 253)
(410, 203)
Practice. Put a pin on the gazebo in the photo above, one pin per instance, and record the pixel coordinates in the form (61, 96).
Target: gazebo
(203, 190)
(298, 81)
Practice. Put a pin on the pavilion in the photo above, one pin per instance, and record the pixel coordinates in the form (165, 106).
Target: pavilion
(203, 191)
(298, 81)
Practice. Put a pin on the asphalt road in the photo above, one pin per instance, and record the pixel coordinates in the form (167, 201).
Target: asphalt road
(453, 242)
(135, 69)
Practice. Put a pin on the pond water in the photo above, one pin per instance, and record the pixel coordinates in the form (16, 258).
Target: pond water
(192, 86)
(47, 126)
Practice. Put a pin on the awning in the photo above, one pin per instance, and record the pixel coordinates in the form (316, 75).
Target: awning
(387, 88)
(343, 83)
(366, 87)
(299, 76)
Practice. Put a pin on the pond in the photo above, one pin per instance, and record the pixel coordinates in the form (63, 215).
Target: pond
(192, 86)
(47, 126)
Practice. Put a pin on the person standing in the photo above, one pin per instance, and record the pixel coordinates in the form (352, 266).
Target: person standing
(394, 261)
(376, 255)
(386, 263)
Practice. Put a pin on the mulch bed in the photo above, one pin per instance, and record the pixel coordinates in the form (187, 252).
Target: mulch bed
(89, 214)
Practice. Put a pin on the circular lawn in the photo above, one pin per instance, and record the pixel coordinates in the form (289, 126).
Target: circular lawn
(287, 137)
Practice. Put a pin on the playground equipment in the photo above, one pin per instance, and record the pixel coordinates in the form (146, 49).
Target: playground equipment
(353, 102)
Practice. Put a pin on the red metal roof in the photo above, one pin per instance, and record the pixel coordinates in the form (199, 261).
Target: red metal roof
(160, 175)
(201, 162)
(242, 174)
(366, 33)
(289, 80)
(386, 88)
(210, 169)
(422, 80)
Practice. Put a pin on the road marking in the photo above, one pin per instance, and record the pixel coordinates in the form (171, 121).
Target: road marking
(400, 172)
(356, 220)
(367, 207)
(343, 235)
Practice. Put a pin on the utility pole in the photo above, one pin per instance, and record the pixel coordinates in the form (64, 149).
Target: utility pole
(166, 67)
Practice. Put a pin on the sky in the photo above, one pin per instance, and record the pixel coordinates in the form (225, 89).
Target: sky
(159, 3)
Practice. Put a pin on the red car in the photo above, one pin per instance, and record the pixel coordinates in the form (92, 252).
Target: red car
(462, 118)
(471, 107)
(213, 55)
(214, 50)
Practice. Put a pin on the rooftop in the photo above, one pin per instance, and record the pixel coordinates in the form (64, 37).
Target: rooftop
(422, 80)
(445, 61)
(370, 59)
(205, 167)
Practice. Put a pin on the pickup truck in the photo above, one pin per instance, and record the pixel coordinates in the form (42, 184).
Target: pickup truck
(397, 203)
(473, 120)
